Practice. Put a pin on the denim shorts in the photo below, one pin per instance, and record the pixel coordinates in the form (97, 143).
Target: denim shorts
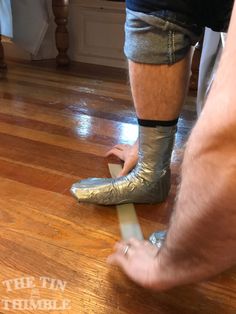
(159, 37)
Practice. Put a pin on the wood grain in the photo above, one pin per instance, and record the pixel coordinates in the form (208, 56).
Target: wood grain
(55, 127)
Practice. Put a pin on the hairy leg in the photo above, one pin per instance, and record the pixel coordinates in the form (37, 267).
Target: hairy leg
(159, 90)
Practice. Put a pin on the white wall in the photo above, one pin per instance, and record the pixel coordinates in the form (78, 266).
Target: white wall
(97, 32)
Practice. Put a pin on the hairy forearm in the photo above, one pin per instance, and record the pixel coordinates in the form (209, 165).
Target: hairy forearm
(202, 236)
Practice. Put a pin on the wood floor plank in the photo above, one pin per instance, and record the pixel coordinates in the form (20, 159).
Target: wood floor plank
(79, 125)
(53, 139)
(74, 103)
(119, 91)
(76, 131)
(67, 160)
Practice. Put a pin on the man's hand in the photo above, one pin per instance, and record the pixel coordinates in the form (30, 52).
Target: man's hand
(139, 263)
(127, 153)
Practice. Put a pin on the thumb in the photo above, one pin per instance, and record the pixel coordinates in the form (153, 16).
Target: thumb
(128, 166)
(125, 170)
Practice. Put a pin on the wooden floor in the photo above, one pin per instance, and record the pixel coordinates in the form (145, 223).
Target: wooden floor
(55, 127)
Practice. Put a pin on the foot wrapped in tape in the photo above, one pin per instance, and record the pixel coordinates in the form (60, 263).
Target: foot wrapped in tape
(149, 182)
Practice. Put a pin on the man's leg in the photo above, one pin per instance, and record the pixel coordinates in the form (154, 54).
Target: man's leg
(143, 76)
(158, 91)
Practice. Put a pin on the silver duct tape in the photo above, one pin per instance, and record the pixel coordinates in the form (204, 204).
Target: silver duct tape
(128, 220)
(149, 182)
